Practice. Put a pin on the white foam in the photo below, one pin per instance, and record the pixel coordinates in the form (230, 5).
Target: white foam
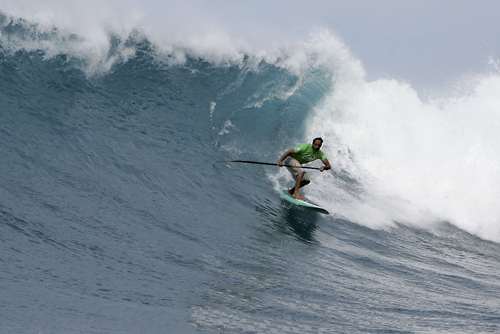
(176, 33)
(176, 29)
(420, 161)
(83, 30)
(228, 125)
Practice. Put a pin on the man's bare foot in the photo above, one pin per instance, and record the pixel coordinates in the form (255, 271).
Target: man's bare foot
(298, 196)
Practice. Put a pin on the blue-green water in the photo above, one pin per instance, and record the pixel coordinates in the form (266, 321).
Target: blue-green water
(115, 218)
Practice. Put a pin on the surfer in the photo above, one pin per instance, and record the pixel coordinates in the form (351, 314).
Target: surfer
(303, 154)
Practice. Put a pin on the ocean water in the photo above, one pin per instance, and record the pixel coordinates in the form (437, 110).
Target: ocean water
(118, 216)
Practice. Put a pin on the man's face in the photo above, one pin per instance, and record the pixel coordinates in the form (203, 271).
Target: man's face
(316, 144)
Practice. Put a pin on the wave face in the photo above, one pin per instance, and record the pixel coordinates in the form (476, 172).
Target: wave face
(115, 216)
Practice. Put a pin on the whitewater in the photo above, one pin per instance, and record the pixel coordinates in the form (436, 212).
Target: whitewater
(116, 215)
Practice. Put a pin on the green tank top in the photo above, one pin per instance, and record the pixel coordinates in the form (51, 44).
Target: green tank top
(305, 153)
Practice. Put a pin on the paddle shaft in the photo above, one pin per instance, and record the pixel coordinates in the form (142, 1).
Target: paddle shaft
(270, 164)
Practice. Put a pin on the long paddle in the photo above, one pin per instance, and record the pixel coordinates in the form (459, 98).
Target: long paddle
(268, 163)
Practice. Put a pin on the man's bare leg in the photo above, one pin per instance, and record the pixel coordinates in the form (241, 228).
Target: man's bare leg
(298, 185)
(302, 184)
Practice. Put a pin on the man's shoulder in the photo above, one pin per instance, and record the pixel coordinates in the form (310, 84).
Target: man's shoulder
(305, 145)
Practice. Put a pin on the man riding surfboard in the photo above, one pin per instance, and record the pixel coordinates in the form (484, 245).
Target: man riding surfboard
(303, 154)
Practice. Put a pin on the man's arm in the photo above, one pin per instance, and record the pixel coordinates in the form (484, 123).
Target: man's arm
(326, 166)
(284, 156)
